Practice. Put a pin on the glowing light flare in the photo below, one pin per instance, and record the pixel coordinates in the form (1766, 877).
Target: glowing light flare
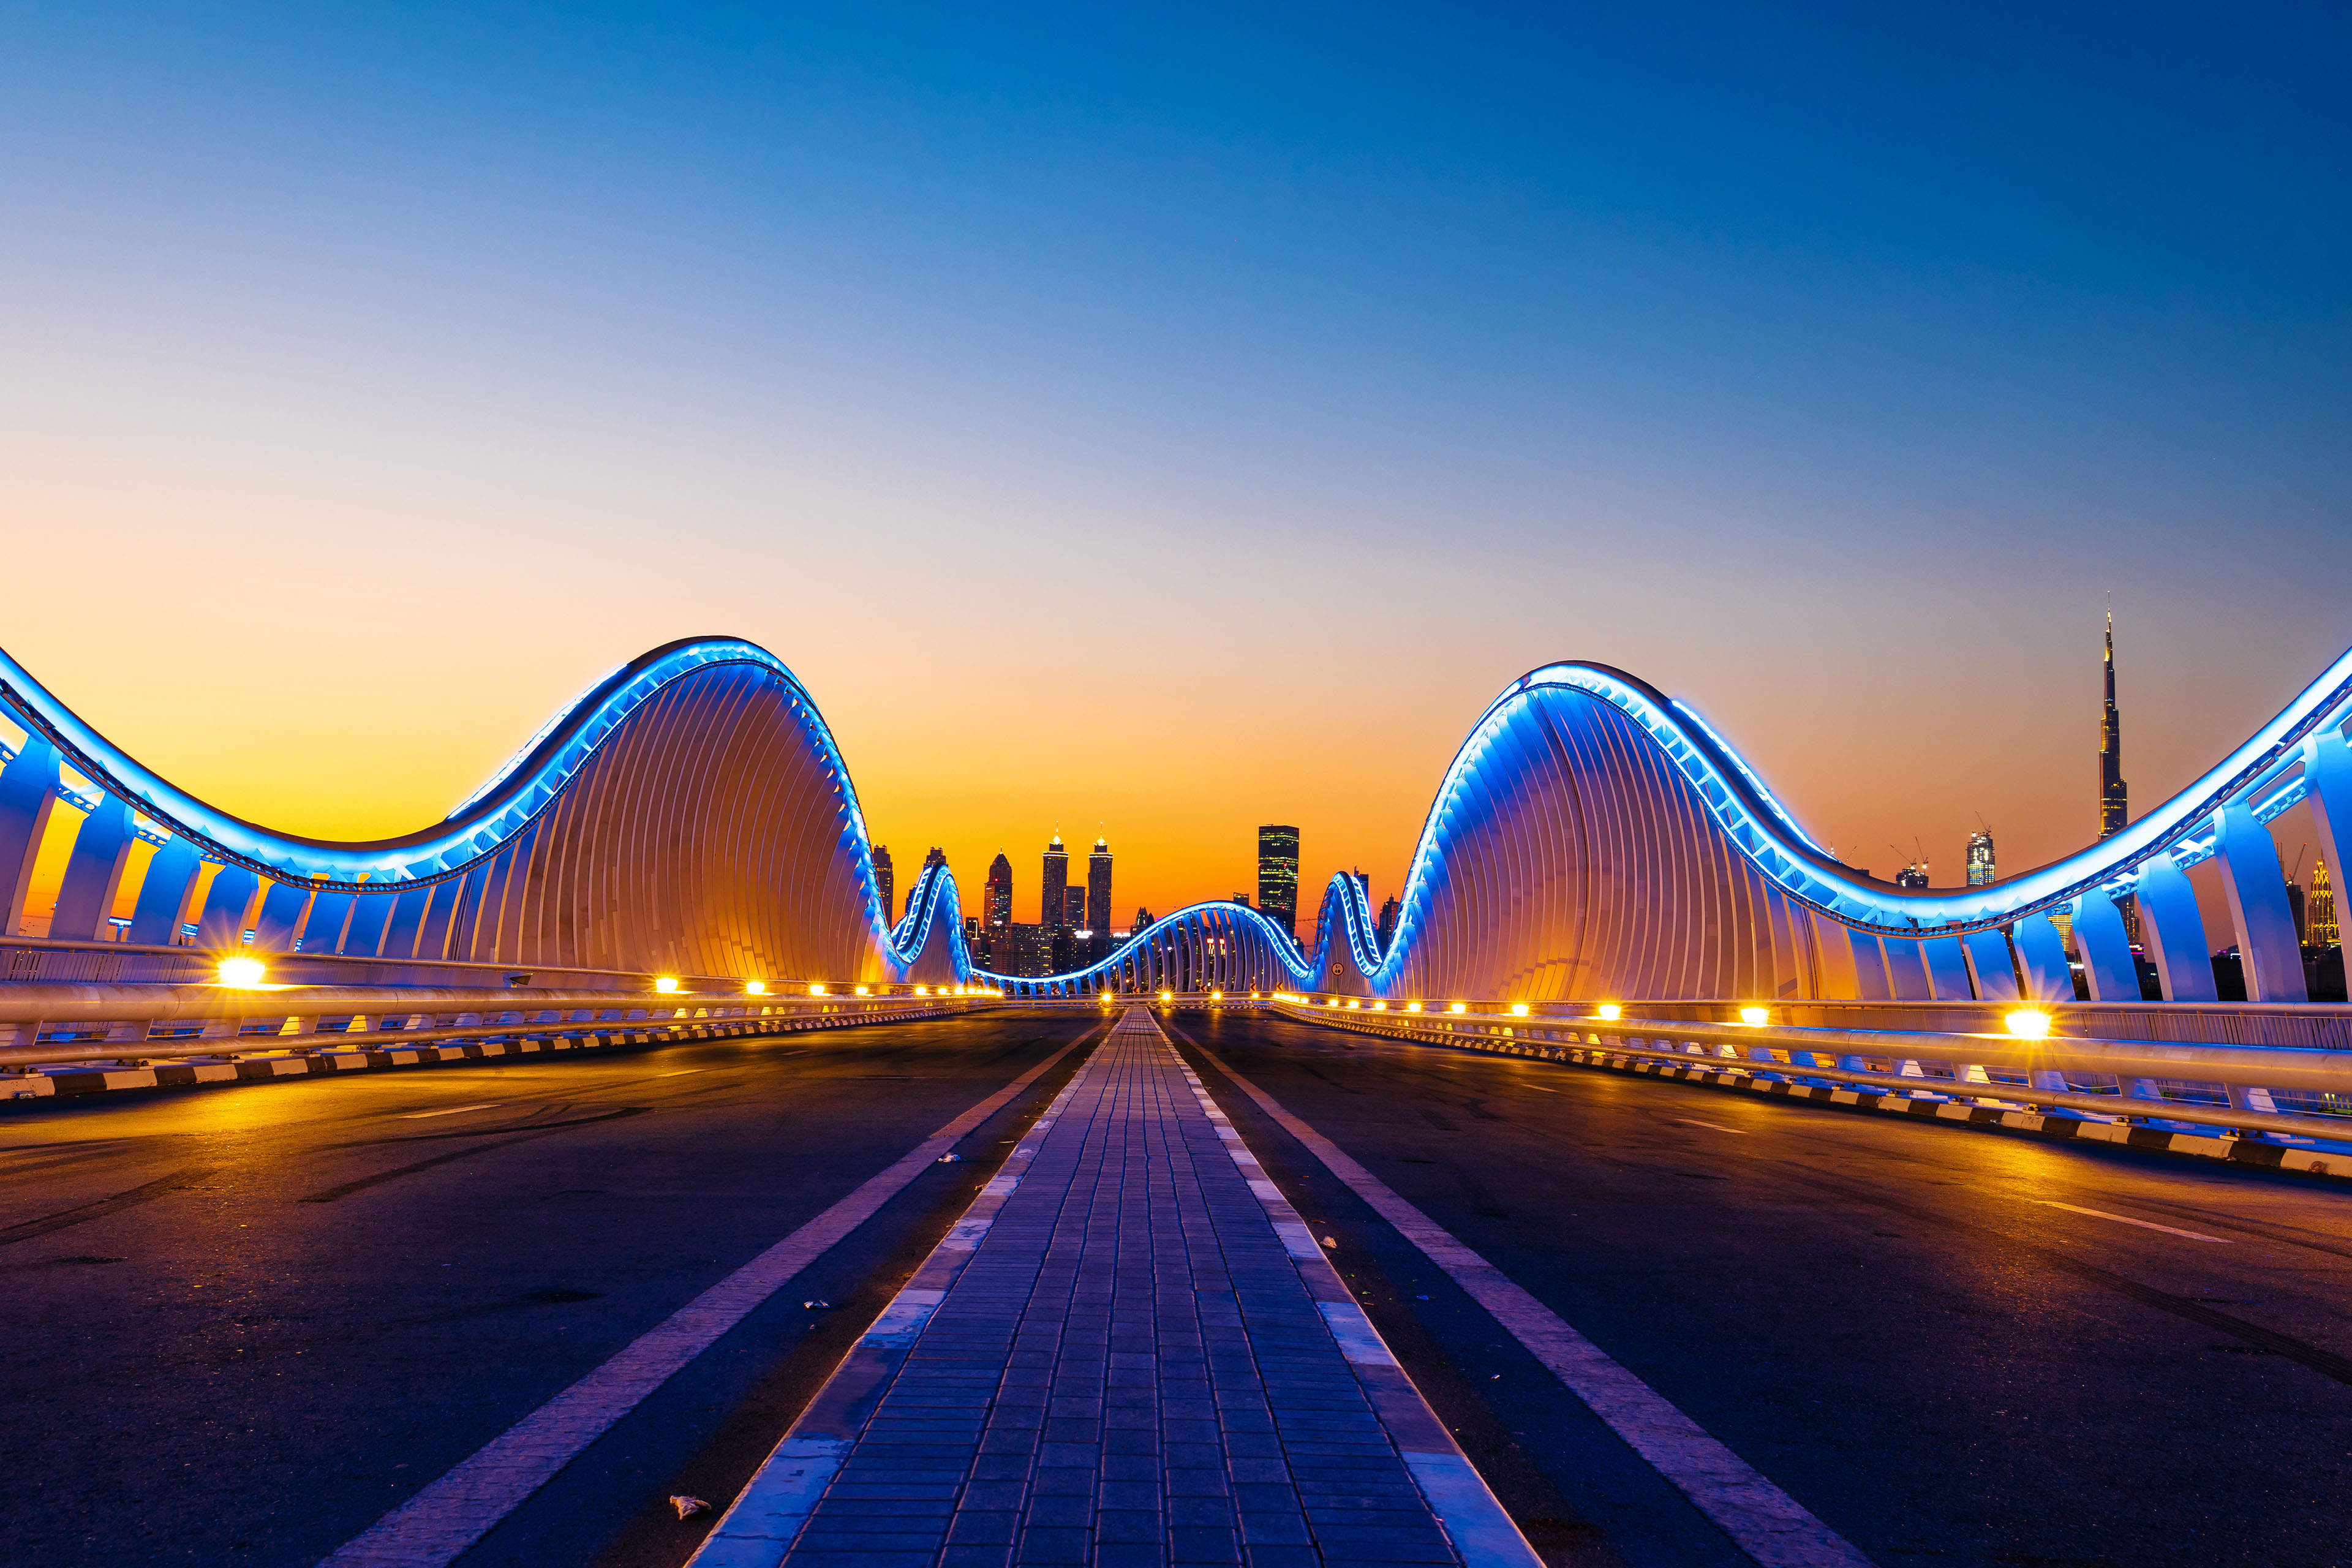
(1457, 1006)
(1609, 1012)
(755, 988)
(1412, 1006)
(666, 984)
(242, 973)
(2028, 1024)
(1519, 1009)
(1756, 1018)
(866, 991)
(816, 990)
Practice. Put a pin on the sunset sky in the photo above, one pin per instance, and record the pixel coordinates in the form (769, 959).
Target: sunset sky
(1177, 422)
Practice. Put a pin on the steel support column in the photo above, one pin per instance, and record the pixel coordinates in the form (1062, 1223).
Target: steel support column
(2269, 952)
(2105, 947)
(2175, 931)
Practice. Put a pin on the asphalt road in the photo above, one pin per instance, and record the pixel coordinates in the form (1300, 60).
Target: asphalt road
(242, 1323)
(239, 1324)
(1893, 1321)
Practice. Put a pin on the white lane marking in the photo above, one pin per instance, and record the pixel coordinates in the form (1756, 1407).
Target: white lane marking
(2126, 1219)
(680, 1072)
(452, 1110)
(432, 1528)
(1762, 1521)
(1690, 1121)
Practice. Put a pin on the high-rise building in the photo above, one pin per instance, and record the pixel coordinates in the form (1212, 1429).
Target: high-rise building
(1277, 876)
(2115, 795)
(1980, 872)
(1914, 876)
(1242, 899)
(886, 881)
(2322, 930)
(1000, 891)
(1363, 882)
(1073, 909)
(1098, 916)
(1143, 919)
(1389, 914)
(1053, 904)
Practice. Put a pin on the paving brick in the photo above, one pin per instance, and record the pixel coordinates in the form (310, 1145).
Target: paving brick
(1129, 1371)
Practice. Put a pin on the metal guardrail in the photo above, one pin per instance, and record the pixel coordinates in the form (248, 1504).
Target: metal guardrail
(1998, 1069)
(59, 1025)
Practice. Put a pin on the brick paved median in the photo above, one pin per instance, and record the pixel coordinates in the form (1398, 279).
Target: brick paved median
(1117, 1358)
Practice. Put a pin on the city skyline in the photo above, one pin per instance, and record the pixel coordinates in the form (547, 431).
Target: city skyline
(1431, 355)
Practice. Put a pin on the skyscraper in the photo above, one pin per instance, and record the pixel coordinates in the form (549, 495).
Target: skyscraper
(935, 856)
(1099, 915)
(1053, 905)
(1980, 869)
(1913, 877)
(2115, 795)
(886, 881)
(1277, 876)
(2321, 909)
(1000, 891)
(1074, 908)
(1389, 912)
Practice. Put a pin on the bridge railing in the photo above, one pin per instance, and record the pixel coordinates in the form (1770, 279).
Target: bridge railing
(2289, 1090)
(59, 1025)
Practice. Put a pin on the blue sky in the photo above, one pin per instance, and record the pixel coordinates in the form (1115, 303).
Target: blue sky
(1827, 367)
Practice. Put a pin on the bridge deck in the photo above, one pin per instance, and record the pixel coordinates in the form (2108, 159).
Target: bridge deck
(1129, 1351)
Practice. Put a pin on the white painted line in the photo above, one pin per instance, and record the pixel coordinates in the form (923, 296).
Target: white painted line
(432, 1528)
(1690, 1122)
(452, 1110)
(2126, 1219)
(1762, 1521)
(681, 1072)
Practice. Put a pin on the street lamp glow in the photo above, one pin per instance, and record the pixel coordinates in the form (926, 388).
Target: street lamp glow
(1167, 995)
(241, 973)
(666, 984)
(2028, 1024)
(1216, 995)
(922, 991)
(1755, 1016)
